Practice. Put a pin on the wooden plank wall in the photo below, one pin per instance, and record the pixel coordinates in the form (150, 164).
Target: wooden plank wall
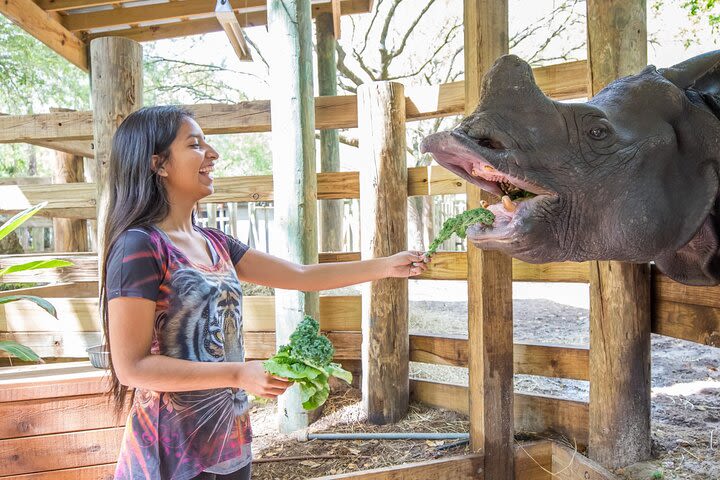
(56, 422)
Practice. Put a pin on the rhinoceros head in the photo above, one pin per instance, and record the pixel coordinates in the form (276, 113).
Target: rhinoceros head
(631, 175)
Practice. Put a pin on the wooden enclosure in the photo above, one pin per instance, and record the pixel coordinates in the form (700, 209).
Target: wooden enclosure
(49, 407)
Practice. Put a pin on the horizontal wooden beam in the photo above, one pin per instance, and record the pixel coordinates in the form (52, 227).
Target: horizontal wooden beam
(665, 289)
(696, 323)
(466, 467)
(43, 26)
(254, 116)
(82, 148)
(84, 269)
(128, 15)
(529, 358)
(59, 5)
(44, 453)
(186, 26)
(106, 470)
(533, 413)
(77, 200)
(39, 417)
(567, 464)
(337, 313)
(51, 381)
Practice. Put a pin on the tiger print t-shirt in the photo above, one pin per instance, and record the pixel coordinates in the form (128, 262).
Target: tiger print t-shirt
(198, 317)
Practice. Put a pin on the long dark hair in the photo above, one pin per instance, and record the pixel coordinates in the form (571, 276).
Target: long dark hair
(137, 195)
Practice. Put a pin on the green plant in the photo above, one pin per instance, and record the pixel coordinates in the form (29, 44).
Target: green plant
(658, 475)
(459, 225)
(9, 346)
(306, 360)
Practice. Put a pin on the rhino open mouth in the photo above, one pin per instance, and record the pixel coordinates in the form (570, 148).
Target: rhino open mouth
(480, 162)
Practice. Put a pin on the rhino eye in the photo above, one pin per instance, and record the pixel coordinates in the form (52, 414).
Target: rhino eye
(598, 133)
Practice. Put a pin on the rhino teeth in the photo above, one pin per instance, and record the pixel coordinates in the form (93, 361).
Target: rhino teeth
(508, 204)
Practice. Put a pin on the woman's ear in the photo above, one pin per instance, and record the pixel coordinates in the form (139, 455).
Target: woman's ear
(160, 171)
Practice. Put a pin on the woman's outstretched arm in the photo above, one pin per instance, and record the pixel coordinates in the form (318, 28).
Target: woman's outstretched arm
(263, 269)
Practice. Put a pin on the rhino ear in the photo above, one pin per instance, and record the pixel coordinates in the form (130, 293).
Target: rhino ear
(701, 72)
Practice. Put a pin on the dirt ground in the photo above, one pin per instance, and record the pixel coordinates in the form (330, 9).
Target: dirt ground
(685, 395)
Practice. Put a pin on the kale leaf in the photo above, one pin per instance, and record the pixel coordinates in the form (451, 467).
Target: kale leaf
(459, 225)
(307, 361)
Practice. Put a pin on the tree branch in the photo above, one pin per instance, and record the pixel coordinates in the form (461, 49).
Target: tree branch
(410, 29)
(343, 68)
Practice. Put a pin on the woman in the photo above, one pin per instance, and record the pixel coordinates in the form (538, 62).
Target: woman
(172, 305)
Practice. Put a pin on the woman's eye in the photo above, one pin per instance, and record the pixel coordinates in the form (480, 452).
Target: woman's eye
(598, 133)
(195, 145)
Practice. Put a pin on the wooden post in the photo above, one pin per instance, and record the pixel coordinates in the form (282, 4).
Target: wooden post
(116, 83)
(90, 166)
(70, 235)
(490, 316)
(619, 292)
(292, 107)
(383, 232)
(331, 211)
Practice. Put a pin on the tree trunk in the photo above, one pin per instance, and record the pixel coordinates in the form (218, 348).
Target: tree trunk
(383, 226)
(116, 69)
(294, 173)
(331, 211)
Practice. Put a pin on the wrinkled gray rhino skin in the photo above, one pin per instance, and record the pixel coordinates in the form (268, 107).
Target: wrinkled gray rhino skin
(631, 175)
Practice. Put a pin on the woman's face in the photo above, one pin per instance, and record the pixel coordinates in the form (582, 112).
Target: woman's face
(188, 171)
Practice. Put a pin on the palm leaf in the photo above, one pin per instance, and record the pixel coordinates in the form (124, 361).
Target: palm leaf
(41, 302)
(20, 351)
(18, 219)
(35, 265)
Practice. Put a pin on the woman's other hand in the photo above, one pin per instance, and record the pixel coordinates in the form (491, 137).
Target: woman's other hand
(253, 378)
(406, 264)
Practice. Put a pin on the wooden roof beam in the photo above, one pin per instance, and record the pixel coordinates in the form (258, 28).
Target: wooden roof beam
(336, 13)
(149, 13)
(229, 21)
(180, 9)
(59, 5)
(43, 26)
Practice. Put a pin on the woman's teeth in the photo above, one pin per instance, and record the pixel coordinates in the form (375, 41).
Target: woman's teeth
(207, 170)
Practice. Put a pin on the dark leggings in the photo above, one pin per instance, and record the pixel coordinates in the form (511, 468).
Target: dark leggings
(242, 474)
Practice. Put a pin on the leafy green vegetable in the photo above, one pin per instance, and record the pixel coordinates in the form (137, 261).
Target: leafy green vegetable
(459, 225)
(307, 361)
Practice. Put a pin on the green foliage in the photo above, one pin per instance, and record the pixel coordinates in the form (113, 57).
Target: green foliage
(308, 345)
(459, 224)
(244, 154)
(658, 475)
(698, 8)
(33, 75)
(14, 348)
(306, 360)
